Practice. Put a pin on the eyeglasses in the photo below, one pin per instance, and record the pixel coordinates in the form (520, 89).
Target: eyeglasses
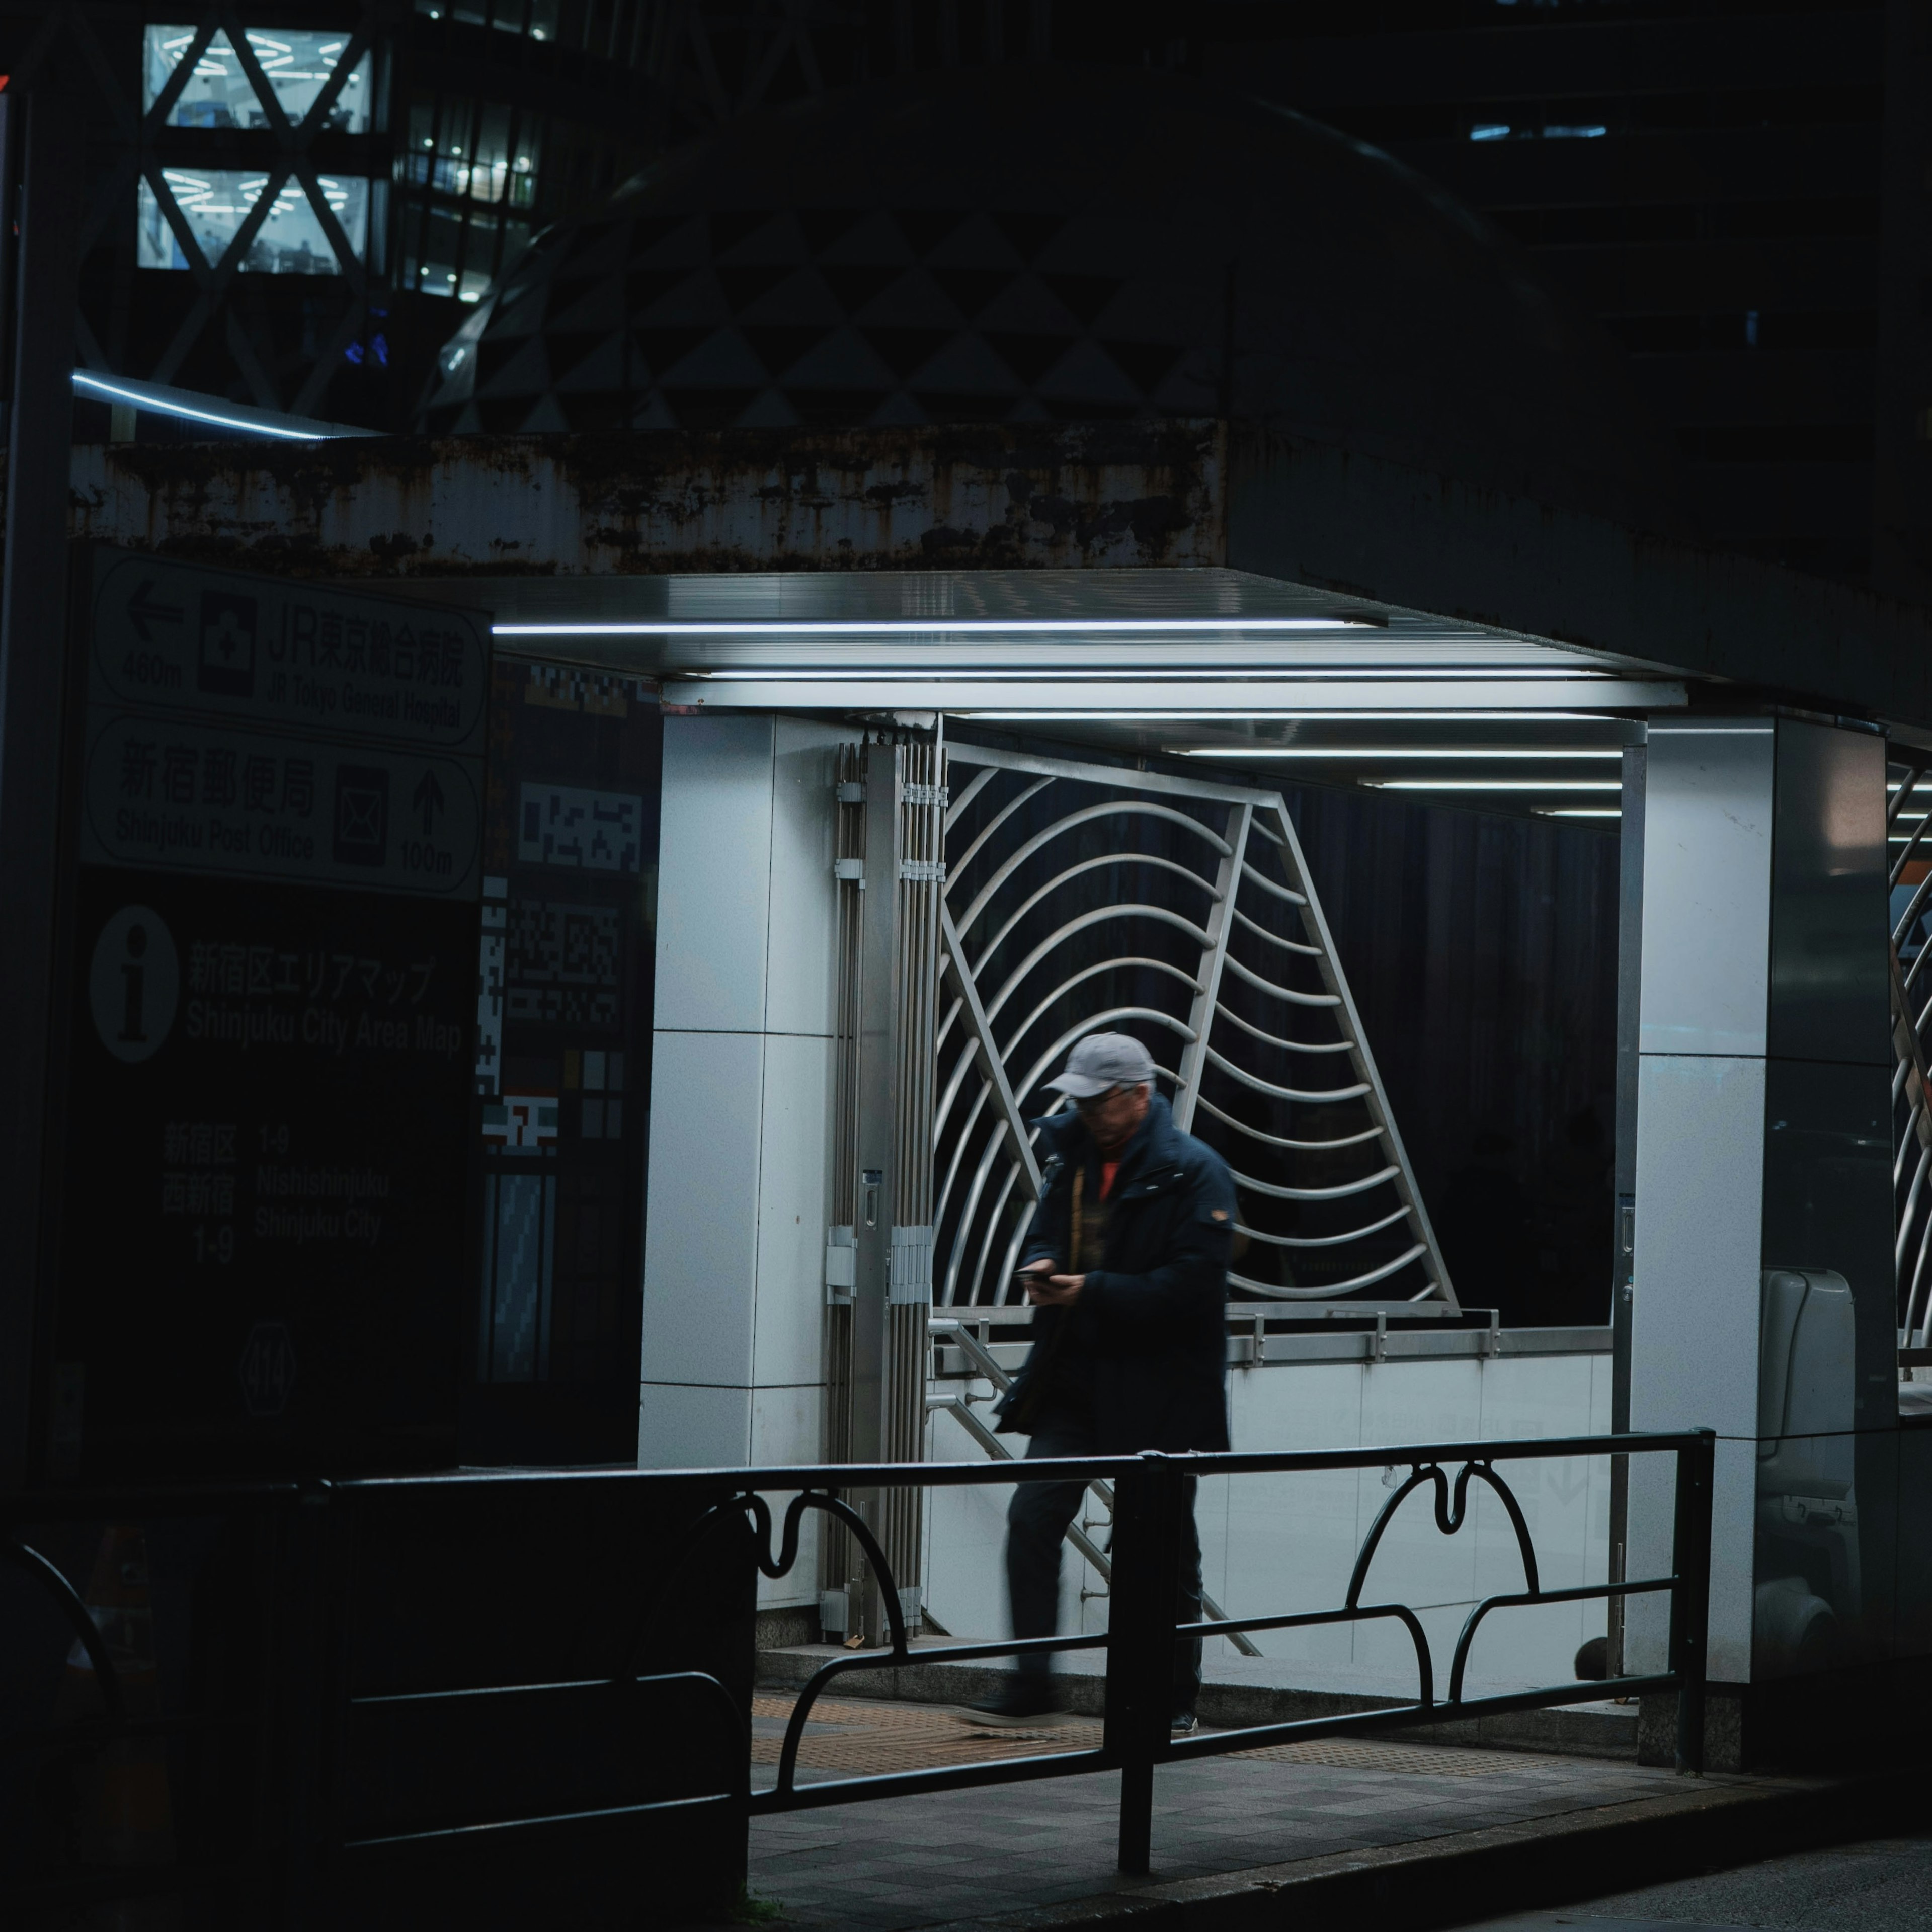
(1094, 1103)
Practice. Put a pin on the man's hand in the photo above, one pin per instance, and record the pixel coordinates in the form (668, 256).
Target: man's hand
(1057, 1290)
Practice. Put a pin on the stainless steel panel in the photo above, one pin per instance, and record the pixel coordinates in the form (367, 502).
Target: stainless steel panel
(714, 881)
(1707, 865)
(1828, 1204)
(1829, 996)
(1699, 1181)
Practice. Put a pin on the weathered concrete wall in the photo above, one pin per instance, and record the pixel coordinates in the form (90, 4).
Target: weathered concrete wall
(1005, 496)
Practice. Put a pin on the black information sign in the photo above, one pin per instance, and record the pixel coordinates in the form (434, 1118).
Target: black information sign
(269, 1091)
(563, 1064)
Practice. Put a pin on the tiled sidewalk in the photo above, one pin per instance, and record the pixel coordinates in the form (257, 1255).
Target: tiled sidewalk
(944, 1860)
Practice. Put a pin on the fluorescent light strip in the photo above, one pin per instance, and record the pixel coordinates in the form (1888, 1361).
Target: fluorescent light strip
(1495, 784)
(1407, 751)
(1427, 673)
(900, 627)
(1580, 811)
(95, 386)
(1271, 717)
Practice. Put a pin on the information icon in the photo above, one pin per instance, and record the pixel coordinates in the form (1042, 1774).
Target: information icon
(134, 983)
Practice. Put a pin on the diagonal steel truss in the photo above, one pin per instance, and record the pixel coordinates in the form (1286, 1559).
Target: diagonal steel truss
(68, 29)
(1081, 899)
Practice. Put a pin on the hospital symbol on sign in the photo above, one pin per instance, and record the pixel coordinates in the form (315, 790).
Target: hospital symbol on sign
(227, 663)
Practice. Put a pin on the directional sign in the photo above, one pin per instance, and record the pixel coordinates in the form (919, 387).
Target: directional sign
(144, 612)
(428, 799)
(178, 795)
(288, 654)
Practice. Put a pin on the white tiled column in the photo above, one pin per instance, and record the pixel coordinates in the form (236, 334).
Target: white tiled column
(741, 1098)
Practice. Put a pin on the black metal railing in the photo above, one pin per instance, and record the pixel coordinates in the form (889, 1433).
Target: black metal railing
(429, 1747)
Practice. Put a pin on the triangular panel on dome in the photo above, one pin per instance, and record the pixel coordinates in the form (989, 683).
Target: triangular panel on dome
(723, 359)
(745, 282)
(899, 407)
(599, 303)
(1086, 373)
(649, 231)
(659, 349)
(853, 286)
(1147, 365)
(801, 298)
(696, 299)
(645, 288)
(599, 366)
(967, 366)
(822, 228)
(903, 350)
(914, 301)
(547, 415)
(874, 237)
(972, 289)
(1028, 229)
(678, 242)
(597, 248)
(593, 410)
(1027, 305)
(771, 408)
(978, 242)
(651, 411)
(1087, 295)
(1193, 386)
(1030, 356)
(520, 311)
(709, 408)
(846, 359)
(779, 346)
(926, 228)
(756, 235)
(523, 371)
(834, 409)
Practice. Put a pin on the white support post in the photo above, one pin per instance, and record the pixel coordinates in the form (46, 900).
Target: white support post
(1213, 958)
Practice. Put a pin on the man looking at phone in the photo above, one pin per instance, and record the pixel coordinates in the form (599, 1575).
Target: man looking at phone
(1126, 1262)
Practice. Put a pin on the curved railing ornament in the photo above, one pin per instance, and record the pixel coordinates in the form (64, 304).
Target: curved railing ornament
(1059, 924)
(23, 1556)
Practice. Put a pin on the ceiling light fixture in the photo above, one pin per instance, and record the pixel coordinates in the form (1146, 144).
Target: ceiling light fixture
(899, 627)
(1409, 752)
(1277, 717)
(1495, 784)
(1144, 676)
(1579, 811)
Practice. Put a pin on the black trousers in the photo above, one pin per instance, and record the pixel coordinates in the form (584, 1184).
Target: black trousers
(1036, 1522)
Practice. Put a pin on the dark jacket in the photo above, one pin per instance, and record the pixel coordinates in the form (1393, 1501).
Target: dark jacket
(1146, 1343)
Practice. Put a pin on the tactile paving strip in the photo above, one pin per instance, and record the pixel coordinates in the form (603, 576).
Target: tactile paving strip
(862, 1736)
(877, 1736)
(1435, 1760)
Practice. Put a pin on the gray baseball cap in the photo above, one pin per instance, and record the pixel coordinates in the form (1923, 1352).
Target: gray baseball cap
(1105, 1059)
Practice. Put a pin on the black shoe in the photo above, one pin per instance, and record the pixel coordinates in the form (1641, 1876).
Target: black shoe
(1185, 1724)
(1013, 1710)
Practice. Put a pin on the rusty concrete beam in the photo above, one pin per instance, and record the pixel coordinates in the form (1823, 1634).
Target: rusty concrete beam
(1011, 496)
(1008, 496)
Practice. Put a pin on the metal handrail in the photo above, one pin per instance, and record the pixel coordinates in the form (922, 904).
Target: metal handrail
(1149, 1497)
